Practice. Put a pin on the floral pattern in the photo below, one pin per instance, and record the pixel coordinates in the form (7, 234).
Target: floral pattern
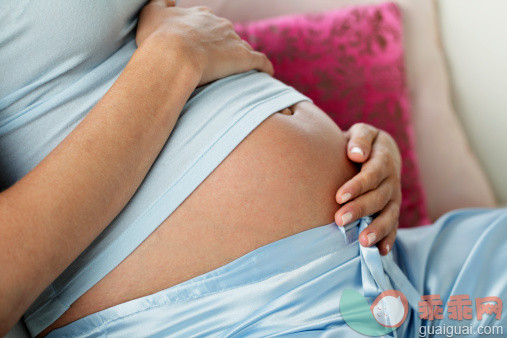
(350, 62)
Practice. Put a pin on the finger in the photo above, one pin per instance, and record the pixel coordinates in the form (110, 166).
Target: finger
(233, 34)
(381, 226)
(247, 45)
(369, 178)
(203, 9)
(366, 204)
(386, 143)
(361, 138)
(385, 245)
(260, 62)
(161, 3)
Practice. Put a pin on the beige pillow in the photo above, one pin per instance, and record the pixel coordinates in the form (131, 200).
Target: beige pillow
(450, 172)
(473, 33)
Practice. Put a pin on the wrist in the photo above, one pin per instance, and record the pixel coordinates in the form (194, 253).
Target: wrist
(173, 52)
(159, 78)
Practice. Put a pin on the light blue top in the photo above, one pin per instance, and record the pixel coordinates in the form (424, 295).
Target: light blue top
(57, 59)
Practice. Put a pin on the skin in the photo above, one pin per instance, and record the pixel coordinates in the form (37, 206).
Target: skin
(228, 216)
(54, 212)
(377, 188)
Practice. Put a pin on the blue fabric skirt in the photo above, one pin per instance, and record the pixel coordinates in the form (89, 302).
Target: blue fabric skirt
(294, 286)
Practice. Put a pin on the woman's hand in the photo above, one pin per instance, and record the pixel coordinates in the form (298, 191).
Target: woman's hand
(207, 41)
(376, 188)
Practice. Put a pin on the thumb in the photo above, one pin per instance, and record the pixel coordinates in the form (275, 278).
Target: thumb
(164, 3)
(361, 139)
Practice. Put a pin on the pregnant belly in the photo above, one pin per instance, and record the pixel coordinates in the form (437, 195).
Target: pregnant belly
(279, 181)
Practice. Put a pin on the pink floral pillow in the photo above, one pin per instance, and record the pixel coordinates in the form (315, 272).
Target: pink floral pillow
(350, 63)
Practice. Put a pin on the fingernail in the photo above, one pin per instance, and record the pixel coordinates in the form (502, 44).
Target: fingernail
(346, 197)
(346, 218)
(371, 238)
(387, 248)
(357, 150)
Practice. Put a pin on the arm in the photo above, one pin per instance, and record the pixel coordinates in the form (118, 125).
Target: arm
(53, 213)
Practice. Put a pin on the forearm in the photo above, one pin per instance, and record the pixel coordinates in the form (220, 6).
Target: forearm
(54, 212)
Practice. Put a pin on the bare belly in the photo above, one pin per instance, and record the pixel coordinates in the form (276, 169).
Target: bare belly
(279, 181)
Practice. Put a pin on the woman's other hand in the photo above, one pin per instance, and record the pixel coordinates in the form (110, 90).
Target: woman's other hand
(206, 40)
(376, 188)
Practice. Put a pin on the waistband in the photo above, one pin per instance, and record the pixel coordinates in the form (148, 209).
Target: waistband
(299, 260)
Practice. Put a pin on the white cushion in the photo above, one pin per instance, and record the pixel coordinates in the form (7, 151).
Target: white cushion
(474, 33)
